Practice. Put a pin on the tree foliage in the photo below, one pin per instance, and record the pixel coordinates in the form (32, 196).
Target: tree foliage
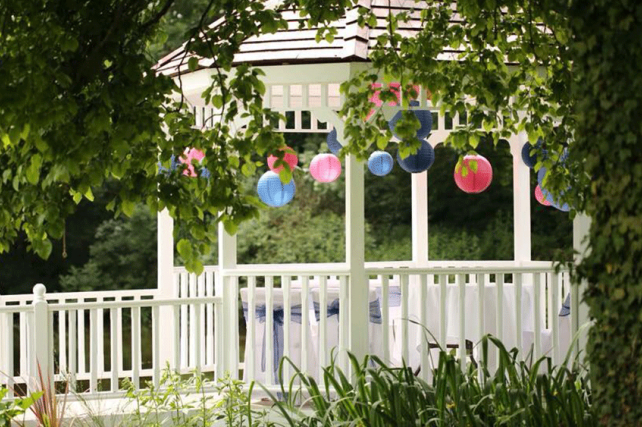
(608, 68)
(79, 105)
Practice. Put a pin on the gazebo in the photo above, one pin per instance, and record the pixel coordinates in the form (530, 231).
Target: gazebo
(301, 310)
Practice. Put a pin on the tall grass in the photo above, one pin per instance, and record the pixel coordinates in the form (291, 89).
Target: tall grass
(517, 393)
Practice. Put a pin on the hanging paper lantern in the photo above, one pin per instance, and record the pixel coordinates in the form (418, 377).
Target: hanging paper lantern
(333, 143)
(172, 165)
(273, 192)
(540, 197)
(531, 159)
(191, 154)
(325, 167)
(548, 196)
(420, 161)
(380, 163)
(475, 181)
(290, 158)
(424, 117)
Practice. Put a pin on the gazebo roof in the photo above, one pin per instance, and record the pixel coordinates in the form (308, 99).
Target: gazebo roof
(298, 45)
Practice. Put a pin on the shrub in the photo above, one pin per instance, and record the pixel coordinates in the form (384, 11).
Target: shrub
(516, 394)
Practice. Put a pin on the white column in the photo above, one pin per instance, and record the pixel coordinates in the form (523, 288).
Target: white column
(165, 269)
(355, 257)
(521, 201)
(420, 218)
(581, 228)
(226, 287)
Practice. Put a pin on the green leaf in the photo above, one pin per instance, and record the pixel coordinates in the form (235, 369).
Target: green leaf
(128, 206)
(184, 248)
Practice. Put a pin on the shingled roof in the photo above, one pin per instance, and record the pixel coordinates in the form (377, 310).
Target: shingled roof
(298, 45)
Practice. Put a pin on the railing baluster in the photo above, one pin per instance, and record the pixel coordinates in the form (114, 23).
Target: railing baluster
(156, 346)
(305, 321)
(404, 317)
(101, 340)
(93, 351)
(499, 283)
(176, 355)
(135, 356)
(7, 363)
(443, 289)
(323, 324)
(481, 301)
(461, 285)
(114, 345)
(62, 341)
(51, 346)
(553, 312)
(200, 355)
(209, 292)
(537, 316)
(73, 349)
(426, 371)
(250, 339)
(343, 322)
(269, 330)
(198, 334)
(193, 337)
(385, 315)
(287, 319)
(24, 344)
(184, 322)
(218, 341)
(517, 279)
(82, 351)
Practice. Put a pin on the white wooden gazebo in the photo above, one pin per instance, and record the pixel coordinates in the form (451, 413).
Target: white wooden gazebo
(195, 320)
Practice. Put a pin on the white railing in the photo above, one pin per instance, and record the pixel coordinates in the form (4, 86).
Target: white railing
(122, 332)
(94, 340)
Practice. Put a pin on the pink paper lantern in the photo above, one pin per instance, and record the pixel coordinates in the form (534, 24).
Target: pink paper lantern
(325, 167)
(290, 158)
(474, 182)
(540, 197)
(188, 156)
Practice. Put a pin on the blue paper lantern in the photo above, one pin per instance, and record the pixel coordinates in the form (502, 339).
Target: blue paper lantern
(424, 117)
(333, 143)
(420, 161)
(531, 159)
(273, 192)
(380, 163)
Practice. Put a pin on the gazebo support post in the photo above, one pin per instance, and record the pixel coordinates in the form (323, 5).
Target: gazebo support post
(355, 257)
(420, 218)
(227, 287)
(521, 201)
(581, 228)
(166, 287)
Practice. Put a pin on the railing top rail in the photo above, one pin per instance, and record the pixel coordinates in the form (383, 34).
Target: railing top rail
(287, 271)
(206, 268)
(80, 295)
(463, 270)
(115, 304)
